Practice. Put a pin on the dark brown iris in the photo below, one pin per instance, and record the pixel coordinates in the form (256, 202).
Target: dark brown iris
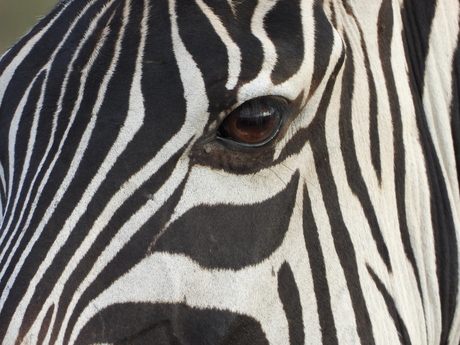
(253, 122)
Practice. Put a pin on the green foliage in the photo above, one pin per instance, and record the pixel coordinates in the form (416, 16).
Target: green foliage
(18, 16)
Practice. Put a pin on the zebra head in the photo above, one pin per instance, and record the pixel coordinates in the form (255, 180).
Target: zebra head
(231, 172)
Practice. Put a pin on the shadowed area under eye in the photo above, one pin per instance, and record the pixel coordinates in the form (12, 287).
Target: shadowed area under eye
(255, 122)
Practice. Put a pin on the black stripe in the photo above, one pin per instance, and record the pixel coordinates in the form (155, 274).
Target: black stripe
(238, 26)
(77, 187)
(374, 137)
(350, 151)
(169, 323)
(404, 337)
(455, 105)
(208, 51)
(324, 42)
(318, 270)
(385, 27)
(342, 241)
(417, 16)
(444, 235)
(133, 251)
(56, 74)
(21, 146)
(38, 56)
(283, 25)
(417, 20)
(232, 236)
(290, 297)
(45, 326)
(164, 100)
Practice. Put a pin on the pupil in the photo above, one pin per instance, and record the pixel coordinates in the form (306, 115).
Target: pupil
(253, 122)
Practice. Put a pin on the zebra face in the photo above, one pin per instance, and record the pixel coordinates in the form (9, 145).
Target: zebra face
(225, 172)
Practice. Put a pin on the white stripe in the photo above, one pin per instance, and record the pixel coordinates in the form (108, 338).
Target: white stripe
(2, 179)
(12, 136)
(262, 84)
(48, 214)
(31, 209)
(196, 120)
(25, 170)
(134, 121)
(437, 97)
(234, 52)
(340, 295)
(301, 81)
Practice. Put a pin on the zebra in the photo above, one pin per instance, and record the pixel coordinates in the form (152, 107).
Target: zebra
(232, 172)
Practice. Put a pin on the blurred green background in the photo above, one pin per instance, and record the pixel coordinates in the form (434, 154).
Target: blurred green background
(18, 16)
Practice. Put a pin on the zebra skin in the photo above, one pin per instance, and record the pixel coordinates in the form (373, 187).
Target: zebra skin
(232, 172)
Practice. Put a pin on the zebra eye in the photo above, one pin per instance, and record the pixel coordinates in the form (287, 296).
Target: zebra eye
(255, 122)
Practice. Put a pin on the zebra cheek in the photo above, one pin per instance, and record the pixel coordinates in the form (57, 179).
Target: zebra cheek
(232, 236)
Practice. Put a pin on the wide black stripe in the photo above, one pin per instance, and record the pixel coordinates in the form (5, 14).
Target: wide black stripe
(417, 19)
(283, 25)
(404, 337)
(232, 236)
(238, 25)
(417, 16)
(324, 42)
(318, 271)
(168, 323)
(342, 240)
(162, 87)
(290, 297)
(350, 151)
(209, 52)
(385, 26)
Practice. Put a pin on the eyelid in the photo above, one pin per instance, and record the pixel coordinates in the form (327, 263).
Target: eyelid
(277, 102)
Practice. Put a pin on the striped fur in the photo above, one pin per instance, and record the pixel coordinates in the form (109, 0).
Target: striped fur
(126, 220)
